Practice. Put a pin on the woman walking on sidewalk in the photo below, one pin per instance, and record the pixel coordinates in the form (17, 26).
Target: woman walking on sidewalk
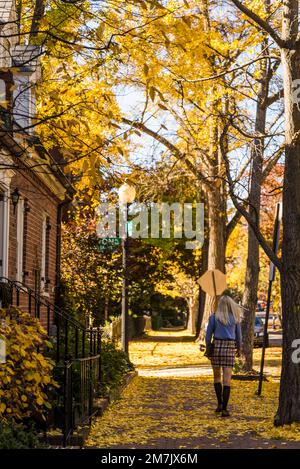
(223, 340)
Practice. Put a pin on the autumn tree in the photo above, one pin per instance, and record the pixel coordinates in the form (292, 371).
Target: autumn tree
(198, 52)
(192, 44)
(287, 41)
(262, 78)
(167, 181)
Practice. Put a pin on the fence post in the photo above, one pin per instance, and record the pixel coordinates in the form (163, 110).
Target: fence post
(91, 386)
(76, 342)
(83, 343)
(91, 341)
(66, 338)
(68, 401)
(99, 353)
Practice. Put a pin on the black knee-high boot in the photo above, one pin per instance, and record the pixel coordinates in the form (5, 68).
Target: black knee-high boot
(218, 390)
(226, 394)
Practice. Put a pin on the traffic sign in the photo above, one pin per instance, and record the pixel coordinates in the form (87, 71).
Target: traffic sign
(213, 282)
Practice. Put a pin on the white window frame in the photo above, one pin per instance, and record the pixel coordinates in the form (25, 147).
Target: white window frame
(43, 254)
(20, 240)
(5, 180)
(6, 193)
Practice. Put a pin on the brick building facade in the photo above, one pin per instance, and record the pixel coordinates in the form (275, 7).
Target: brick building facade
(33, 189)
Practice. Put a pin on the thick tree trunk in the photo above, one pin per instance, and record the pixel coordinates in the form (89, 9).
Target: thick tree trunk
(202, 294)
(19, 15)
(252, 268)
(216, 242)
(217, 217)
(193, 307)
(289, 399)
(217, 231)
(38, 14)
(106, 308)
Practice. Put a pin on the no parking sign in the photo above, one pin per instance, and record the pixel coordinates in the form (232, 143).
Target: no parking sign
(213, 282)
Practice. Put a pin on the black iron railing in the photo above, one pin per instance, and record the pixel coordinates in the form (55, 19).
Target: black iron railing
(68, 421)
(70, 338)
(76, 351)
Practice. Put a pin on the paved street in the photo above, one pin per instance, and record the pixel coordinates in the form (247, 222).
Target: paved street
(275, 338)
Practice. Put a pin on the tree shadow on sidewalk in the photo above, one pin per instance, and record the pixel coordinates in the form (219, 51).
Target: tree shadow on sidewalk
(179, 413)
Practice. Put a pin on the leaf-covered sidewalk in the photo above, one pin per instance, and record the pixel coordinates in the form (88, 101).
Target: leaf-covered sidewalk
(178, 412)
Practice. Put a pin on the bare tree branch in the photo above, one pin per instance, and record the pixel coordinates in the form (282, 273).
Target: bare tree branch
(176, 152)
(254, 225)
(226, 72)
(39, 10)
(270, 165)
(272, 99)
(264, 25)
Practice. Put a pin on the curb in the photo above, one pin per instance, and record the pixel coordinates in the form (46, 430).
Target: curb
(248, 377)
(102, 403)
(79, 436)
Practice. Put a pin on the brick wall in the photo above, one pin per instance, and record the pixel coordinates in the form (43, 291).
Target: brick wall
(41, 203)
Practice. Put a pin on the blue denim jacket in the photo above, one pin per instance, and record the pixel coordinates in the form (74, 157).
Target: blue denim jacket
(221, 331)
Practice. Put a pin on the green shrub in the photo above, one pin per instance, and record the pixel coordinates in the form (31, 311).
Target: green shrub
(238, 366)
(17, 436)
(114, 364)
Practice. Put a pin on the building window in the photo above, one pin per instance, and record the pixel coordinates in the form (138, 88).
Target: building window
(47, 253)
(25, 231)
(4, 231)
(46, 227)
(6, 82)
(20, 240)
(22, 101)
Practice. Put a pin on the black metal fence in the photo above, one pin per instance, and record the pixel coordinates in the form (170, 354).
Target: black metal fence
(69, 337)
(68, 421)
(76, 351)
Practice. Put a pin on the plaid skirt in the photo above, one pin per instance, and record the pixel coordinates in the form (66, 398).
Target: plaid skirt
(224, 353)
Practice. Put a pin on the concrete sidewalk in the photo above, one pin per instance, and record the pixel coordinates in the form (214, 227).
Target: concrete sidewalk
(171, 403)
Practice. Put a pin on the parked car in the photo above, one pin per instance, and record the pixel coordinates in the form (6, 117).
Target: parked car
(261, 306)
(259, 332)
(274, 320)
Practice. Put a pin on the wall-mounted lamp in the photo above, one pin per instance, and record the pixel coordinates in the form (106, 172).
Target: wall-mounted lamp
(15, 197)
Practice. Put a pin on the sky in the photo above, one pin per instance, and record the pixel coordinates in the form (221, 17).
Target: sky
(131, 102)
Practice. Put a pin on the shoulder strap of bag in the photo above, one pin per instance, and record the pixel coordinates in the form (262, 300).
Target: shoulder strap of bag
(214, 323)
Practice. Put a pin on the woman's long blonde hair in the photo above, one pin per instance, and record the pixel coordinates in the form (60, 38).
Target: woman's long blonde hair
(227, 306)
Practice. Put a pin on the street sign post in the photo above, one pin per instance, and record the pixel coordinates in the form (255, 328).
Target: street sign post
(276, 237)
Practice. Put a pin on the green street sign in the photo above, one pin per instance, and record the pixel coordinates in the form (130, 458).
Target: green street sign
(108, 244)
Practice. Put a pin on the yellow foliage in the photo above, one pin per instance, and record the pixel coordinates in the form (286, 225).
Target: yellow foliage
(179, 411)
(24, 365)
